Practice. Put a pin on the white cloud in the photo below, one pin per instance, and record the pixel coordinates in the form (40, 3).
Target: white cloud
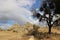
(24, 3)
(14, 9)
(19, 14)
(7, 5)
(12, 4)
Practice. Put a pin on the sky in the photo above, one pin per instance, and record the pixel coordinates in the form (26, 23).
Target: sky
(37, 4)
(17, 11)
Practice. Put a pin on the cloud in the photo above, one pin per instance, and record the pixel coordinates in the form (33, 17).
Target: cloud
(24, 3)
(12, 4)
(14, 10)
(19, 14)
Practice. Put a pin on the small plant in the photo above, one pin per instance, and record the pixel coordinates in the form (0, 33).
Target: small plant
(8, 30)
(34, 31)
(14, 31)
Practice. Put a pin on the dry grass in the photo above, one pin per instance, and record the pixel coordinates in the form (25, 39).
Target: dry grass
(43, 35)
(19, 33)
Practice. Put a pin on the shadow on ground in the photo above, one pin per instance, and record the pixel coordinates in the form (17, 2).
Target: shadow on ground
(45, 36)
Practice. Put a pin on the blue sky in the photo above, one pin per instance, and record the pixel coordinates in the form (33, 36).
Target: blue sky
(37, 4)
(16, 8)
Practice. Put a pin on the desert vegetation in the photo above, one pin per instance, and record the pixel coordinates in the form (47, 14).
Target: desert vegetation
(29, 32)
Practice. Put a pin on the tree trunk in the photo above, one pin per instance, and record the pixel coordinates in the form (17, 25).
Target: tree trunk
(49, 30)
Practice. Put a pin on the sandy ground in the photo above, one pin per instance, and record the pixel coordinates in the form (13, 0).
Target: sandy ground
(9, 35)
(6, 35)
(18, 33)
